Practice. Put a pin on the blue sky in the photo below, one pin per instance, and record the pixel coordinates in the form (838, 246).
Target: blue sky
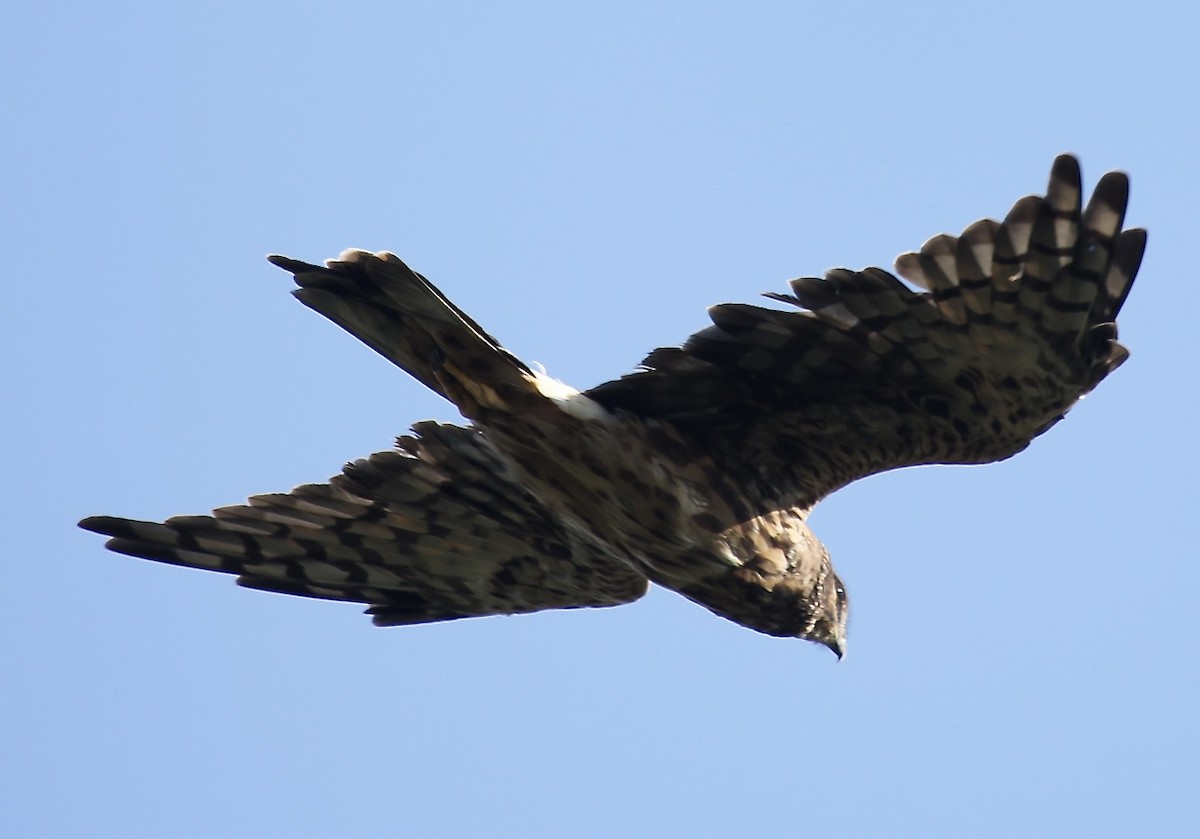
(584, 180)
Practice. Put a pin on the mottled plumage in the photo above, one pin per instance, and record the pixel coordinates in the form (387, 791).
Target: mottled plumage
(698, 471)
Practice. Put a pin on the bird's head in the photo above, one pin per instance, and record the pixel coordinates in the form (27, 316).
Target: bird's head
(829, 607)
(789, 593)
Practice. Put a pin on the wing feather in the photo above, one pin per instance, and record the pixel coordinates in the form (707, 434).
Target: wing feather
(437, 529)
(1014, 322)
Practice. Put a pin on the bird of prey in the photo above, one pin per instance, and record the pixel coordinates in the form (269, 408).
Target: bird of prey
(697, 471)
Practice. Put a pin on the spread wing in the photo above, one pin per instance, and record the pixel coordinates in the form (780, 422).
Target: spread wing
(436, 530)
(1015, 322)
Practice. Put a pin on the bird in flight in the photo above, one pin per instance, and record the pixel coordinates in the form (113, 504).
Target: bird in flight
(697, 471)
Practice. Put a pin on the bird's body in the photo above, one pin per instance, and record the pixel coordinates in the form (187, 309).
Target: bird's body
(697, 472)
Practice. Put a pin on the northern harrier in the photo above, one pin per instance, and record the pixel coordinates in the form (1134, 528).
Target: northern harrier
(697, 471)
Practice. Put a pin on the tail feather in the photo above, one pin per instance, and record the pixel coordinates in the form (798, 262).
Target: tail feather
(403, 317)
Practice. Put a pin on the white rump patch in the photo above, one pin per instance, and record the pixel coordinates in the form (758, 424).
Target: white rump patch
(567, 398)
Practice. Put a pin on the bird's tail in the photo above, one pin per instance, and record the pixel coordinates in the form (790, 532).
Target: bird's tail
(403, 317)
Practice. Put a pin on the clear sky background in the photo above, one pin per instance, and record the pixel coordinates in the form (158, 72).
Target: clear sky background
(584, 179)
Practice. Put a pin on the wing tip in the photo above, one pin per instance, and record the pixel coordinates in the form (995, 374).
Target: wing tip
(106, 525)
